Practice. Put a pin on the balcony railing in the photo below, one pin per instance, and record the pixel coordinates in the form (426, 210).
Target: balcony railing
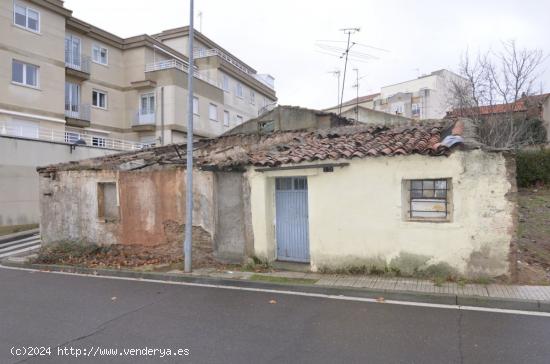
(68, 137)
(174, 63)
(79, 112)
(144, 119)
(202, 53)
(79, 63)
(264, 79)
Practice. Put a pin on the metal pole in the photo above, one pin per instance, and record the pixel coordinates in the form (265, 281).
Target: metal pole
(162, 116)
(357, 99)
(344, 78)
(189, 170)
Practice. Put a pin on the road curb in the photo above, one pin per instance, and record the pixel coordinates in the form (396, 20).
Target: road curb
(421, 297)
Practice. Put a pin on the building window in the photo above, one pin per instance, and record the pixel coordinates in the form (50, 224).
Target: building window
(26, 17)
(71, 137)
(397, 109)
(225, 118)
(213, 112)
(147, 104)
(98, 142)
(73, 57)
(429, 199)
(225, 83)
(239, 90)
(415, 110)
(24, 73)
(99, 99)
(100, 55)
(252, 97)
(196, 105)
(239, 119)
(107, 201)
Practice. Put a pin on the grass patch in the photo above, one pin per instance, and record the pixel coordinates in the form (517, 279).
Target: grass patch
(5, 230)
(257, 265)
(284, 280)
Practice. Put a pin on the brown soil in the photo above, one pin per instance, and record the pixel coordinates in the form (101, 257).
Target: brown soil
(132, 256)
(533, 255)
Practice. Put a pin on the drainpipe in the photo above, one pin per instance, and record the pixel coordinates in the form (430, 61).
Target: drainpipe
(162, 116)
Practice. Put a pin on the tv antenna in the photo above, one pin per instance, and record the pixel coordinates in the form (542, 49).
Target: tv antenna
(356, 85)
(337, 73)
(342, 50)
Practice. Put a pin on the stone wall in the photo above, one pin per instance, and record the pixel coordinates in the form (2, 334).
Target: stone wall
(151, 206)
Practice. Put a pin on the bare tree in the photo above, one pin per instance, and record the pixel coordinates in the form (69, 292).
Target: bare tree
(495, 87)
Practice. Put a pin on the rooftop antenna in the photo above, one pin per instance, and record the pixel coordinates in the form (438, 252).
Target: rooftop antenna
(337, 73)
(349, 32)
(356, 85)
(342, 49)
(200, 21)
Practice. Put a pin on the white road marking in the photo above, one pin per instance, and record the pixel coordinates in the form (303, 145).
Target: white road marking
(303, 294)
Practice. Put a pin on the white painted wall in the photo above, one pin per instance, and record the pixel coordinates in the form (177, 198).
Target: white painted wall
(19, 179)
(356, 213)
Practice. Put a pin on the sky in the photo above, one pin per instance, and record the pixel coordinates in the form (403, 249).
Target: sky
(280, 37)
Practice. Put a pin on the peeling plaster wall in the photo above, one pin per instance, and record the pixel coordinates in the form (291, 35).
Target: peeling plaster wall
(152, 206)
(230, 223)
(356, 214)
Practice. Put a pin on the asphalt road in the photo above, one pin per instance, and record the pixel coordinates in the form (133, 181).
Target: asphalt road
(228, 326)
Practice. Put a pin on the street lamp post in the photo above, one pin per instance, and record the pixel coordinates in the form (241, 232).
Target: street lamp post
(187, 244)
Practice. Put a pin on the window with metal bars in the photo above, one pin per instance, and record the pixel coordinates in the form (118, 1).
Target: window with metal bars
(429, 199)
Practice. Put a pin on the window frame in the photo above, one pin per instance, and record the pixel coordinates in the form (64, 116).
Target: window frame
(196, 110)
(100, 47)
(101, 202)
(24, 74)
(252, 97)
(151, 106)
(240, 119)
(408, 190)
(98, 141)
(226, 121)
(98, 92)
(26, 26)
(213, 111)
(239, 90)
(225, 83)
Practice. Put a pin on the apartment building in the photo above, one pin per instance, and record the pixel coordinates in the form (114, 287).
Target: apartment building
(67, 81)
(426, 97)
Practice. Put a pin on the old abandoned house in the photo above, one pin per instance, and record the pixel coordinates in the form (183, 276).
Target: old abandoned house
(330, 194)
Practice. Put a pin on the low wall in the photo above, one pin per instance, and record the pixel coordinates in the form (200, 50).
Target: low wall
(151, 206)
(19, 179)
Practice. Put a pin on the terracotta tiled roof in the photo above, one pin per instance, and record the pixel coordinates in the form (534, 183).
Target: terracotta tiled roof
(358, 141)
(284, 147)
(522, 105)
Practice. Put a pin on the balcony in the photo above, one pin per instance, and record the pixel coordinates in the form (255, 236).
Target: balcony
(144, 122)
(78, 115)
(68, 137)
(176, 64)
(266, 80)
(78, 67)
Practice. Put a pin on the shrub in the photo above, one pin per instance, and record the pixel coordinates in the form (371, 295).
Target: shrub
(533, 167)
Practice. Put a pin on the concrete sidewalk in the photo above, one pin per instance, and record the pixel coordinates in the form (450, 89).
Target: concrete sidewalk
(379, 283)
(514, 297)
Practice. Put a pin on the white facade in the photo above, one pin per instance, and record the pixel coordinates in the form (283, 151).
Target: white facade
(427, 97)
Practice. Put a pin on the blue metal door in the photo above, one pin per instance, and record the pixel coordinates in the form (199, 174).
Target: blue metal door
(291, 223)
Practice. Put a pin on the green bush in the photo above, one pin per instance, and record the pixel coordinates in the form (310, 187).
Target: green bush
(533, 167)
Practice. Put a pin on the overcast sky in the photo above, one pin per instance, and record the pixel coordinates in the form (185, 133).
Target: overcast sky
(278, 37)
